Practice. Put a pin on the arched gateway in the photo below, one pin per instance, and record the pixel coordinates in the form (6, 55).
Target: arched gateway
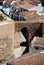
(31, 29)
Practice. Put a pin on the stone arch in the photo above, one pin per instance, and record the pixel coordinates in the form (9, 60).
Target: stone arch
(31, 29)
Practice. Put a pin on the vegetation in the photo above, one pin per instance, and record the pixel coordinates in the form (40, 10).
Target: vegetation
(2, 17)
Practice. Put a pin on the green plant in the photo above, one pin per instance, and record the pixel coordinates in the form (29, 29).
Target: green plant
(2, 17)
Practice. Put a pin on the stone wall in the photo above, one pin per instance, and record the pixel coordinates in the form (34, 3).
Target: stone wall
(31, 27)
(6, 39)
(17, 37)
(41, 19)
(10, 36)
(43, 29)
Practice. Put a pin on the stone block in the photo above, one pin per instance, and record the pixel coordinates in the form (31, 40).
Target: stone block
(9, 39)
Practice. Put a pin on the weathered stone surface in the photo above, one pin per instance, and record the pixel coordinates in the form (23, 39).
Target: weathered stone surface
(17, 37)
(41, 19)
(6, 39)
(35, 59)
(10, 34)
(38, 42)
(9, 40)
(32, 27)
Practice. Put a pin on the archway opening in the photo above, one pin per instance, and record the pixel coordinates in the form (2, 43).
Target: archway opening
(25, 33)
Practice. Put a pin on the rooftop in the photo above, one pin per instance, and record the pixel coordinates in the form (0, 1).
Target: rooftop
(29, 15)
(8, 1)
(19, 3)
(27, 6)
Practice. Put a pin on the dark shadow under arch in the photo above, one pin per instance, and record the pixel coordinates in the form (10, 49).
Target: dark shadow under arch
(25, 32)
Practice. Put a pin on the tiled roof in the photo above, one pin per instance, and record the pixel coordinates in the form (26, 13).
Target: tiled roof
(27, 6)
(29, 15)
(19, 3)
(9, 1)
